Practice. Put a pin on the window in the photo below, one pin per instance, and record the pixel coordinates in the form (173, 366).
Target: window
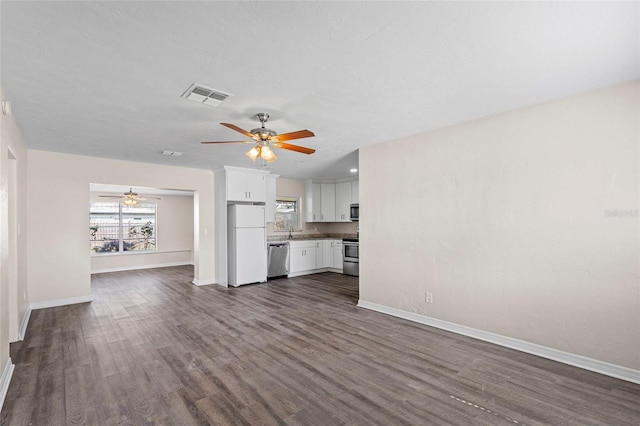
(287, 214)
(115, 228)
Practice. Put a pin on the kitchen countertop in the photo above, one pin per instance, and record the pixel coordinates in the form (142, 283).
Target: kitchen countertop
(285, 237)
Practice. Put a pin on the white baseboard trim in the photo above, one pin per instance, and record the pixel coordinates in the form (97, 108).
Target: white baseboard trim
(204, 282)
(24, 324)
(60, 302)
(5, 379)
(136, 267)
(580, 361)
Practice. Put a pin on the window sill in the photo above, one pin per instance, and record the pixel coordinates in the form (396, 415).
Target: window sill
(123, 253)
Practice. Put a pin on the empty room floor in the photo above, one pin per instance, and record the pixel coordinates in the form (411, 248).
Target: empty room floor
(152, 348)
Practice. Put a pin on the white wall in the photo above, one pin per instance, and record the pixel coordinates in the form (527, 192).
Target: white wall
(13, 186)
(174, 238)
(523, 224)
(58, 198)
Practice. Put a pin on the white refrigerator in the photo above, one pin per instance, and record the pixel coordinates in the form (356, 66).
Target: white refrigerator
(247, 244)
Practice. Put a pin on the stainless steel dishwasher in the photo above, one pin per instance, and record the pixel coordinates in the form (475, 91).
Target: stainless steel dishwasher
(278, 259)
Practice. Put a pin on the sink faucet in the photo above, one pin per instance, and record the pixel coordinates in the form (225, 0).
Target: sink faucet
(290, 230)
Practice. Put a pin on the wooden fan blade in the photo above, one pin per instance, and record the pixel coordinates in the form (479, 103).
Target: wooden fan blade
(295, 148)
(110, 196)
(294, 135)
(230, 142)
(238, 129)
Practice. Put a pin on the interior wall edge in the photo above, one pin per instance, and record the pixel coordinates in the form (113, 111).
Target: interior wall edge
(597, 366)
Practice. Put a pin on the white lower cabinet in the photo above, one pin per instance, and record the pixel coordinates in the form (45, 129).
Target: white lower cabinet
(337, 254)
(311, 256)
(327, 254)
(302, 256)
(319, 253)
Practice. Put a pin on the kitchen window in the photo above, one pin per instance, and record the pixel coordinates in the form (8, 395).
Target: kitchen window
(287, 214)
(117, 228)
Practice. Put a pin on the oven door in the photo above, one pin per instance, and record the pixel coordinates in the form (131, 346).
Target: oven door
(350, 252)
(350, 258)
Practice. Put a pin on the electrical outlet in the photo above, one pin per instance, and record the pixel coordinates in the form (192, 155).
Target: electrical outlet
(428, 297)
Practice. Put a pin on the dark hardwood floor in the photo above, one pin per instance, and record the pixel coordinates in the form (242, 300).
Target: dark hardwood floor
(155, 349)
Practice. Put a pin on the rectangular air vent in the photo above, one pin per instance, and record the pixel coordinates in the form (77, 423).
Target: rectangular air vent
(205, 95)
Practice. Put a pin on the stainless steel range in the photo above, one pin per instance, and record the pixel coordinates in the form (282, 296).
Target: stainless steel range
(350, 257)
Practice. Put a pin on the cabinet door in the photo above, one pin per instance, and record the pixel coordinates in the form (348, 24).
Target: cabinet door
(312, 202)
(328, 203)
(296, 259)
(246, 186)
(355, 192)
(337, 254)
(310, 258)
(302, 256)
(319, 255)
(343, 201)
(256, 187)
(327, 254)
(236, 186)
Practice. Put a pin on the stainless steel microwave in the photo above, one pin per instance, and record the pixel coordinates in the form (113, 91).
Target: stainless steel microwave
(355, 212)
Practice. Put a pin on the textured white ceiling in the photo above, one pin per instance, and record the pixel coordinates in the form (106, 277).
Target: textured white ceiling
(105, 78)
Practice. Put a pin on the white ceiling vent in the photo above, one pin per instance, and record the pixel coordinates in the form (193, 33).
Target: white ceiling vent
(205, 95)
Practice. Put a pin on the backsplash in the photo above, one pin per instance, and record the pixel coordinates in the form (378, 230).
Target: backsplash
(318, 229)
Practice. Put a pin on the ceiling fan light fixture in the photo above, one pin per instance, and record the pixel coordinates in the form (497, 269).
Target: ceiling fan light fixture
(130, 202)
(264, 138)
(254, 152)
(267, 155)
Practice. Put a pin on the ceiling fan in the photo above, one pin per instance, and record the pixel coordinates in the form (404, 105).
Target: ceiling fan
(130, 198)
(264, 139)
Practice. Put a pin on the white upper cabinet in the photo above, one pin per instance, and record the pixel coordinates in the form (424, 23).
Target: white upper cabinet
(328, 202)
(343, 200)
(246, 186)
(312, 202)
(355, 192)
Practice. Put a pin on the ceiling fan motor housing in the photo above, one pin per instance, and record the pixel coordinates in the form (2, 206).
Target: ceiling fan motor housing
(263, 133)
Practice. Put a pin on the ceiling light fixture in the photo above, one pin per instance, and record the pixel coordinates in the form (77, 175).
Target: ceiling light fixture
(354, 170)
(262, 151)
(266, 138)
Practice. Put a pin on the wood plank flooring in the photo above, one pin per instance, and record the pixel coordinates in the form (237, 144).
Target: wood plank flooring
(154, 349)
